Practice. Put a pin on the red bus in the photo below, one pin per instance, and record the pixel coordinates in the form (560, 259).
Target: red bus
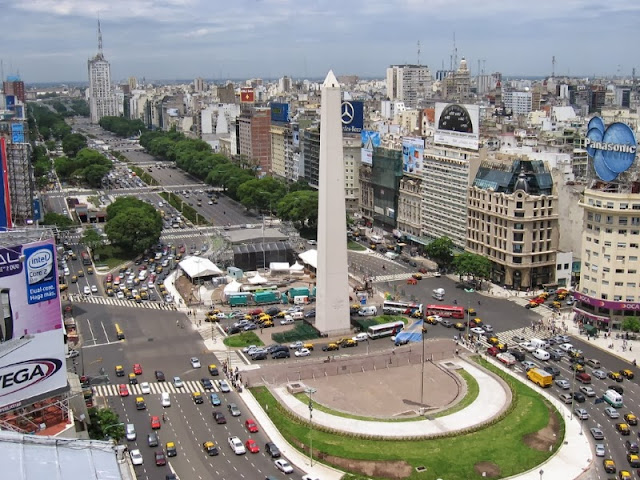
(445, 311)
(85, 258)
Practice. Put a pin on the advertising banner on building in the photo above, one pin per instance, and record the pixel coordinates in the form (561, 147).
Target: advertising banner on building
(247, 95)
(370, 139)
(17, 133)
(31, 333)
(613, 149)
(457, 125)
(5, 198)
(366, 156)
(352, 115)
(412, 154)
(280, 112)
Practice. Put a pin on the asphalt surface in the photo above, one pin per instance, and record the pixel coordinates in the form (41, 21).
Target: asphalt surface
(149, 336)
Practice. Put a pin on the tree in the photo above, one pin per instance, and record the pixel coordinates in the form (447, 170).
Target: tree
(300, 207)
(60, 221)
(91, 238)
(93, 174)
(73, 143)
(105, 423)
(470, 264)
(133, 224)
(261, 194)
(441, 251)
(631, 324)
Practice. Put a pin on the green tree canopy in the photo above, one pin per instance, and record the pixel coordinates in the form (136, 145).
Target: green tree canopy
(91, 238)
(60, 221)
(123, 127)
(261, 194)
(88, 165)
(105, 423)
(300, 207)
(631, 324)
(73, 143)
(472, 265)
(133, 224)
(440, 251)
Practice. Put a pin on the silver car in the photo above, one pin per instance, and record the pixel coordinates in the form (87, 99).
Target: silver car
(599, 374)
(600, 451)
(581, 413)
(612, 412)
(563, 383)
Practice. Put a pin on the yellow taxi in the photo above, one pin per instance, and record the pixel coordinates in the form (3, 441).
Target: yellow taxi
(144, 295)
(281, 314)
(493, 341)
(631, 419)
(159, 269)
(81, 273)
(171, 449)
(458, 326)
(416, 314)
(470, 311)
(615, 376)
(197, 398)
(210, 448)
(623, 428)
(502, 347)
(628, 374)
(431, 320)
(577, 367)
(109, 292)
(90, 270)
(74, 279)
(119, 371)
(609, 465)
(133, 379)
(267, 324)
(140, 403)
(330, 347)
(633, 459)
(557, 305)
(624, 475)
(213, 369)
(63, 287)
(108, 285)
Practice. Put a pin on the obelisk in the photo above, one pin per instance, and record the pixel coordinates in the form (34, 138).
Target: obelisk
(332, 302)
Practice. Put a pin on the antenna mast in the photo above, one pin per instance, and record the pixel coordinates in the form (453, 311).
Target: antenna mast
(418, 52)
(553, 66)
(99, 38)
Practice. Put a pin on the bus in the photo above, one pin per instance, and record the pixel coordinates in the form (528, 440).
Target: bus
(401, 308)
(86, 260)
(384, 329)
(119, 332)
(445, 311)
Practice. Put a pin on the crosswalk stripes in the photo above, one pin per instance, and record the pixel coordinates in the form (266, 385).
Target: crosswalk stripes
(76, 297)
(392, 277)
(156, 388)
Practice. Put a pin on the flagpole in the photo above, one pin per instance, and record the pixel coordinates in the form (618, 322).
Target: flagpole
(422, 370)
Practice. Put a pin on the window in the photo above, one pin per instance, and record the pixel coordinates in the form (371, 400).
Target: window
(635, 206)
(518, 226)
(619, 270)
(607, 243)
(624, 206)
(606, 269)
(518, 237)
(632, 272)
(619, 258)
(566, 266)
(622, 245)
(617, 298)
(622, 221)
(609, 204)
(629, 298)
(558, 267)
(517, 259)
(518, 204)
(598, 217)
(590, 216)
(631, 284)
(633, 258)
(618, 284)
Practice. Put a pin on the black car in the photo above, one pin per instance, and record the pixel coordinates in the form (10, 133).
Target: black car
(517, 354)
(616, 388)
(272, 449)
(206, 384)
(259, 356)
(310, 314)
(152, 439)
(579, 397)
(273, 311)
(271, 348)
(554, 371)
(219, 418)
(159, 376)
(281, 354)
(632, 447)
(233, 330)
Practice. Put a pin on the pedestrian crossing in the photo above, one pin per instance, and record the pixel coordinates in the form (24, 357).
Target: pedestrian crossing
(189, 387)
(393, 277)
(527, 333)
(116, 302)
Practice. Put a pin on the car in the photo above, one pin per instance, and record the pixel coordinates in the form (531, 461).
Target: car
(197, 398)
(215, 399)
(219, 418)
(631, 419)
(234, 410)
(272, 450)
(303, 352)
(137, 369)
(224, 386)
(529, 347)
(206, 384)
(177, 382)
(583, 377)
(152, 439)
(123, 390)
(251, 425)
(623, 428)
(159, 376)
(596, 433)
(554, 371)
(140, 403)
(250, 349)
(145, 388)
(578, 397)
(252, 446)
(446, 323)
(136, 457)
(626, 373)
(283, 465)
(633, 459)
(557, 352)
(160, 458)
(477, 331)
(600, 450)
(250, 326)
(330, 347)
(587, 390)
(599, 374)
(236, 445)
(565, 398)
(615, 376)
(488, 328)
(616, 388)
(624, 475)
(94, 289)
(133, 380)
(86, 290)
(195, 363)
(280, 354)
(259, 355)
(527, 365)
(210, 448)
(567, 347)
(609, 465)
(632, 447)
(155, 423)
(612, 412)
(518, 339)
(517, 353)
(581, 413)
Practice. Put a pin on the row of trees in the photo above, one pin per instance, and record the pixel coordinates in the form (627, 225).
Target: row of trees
(87, 166)
(465, 264)
(123, 127)
(49, 124)
(133, 225)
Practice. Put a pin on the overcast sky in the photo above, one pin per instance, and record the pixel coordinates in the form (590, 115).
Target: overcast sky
(51, 40)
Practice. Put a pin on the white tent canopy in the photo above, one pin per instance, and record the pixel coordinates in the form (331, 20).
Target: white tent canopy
(310, 257)
(296, 267)
(232, 287)
(279, 266)
(196, 267)
(257, 279)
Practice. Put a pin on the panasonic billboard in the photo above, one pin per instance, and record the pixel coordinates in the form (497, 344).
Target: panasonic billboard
(31, 333)
(613, 149)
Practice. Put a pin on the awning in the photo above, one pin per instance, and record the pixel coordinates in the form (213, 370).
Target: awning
(591, 316)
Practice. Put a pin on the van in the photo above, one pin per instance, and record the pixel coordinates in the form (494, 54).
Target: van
(613, 398)
(165, 400)
(391, 255)
(131, 432)
(438, 294)
(369, 311)
(376, 239)
(297, 315)
(541, 354)
(536, 342)
(361, 337)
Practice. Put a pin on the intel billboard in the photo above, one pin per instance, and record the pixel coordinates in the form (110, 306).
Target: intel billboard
(613, 149)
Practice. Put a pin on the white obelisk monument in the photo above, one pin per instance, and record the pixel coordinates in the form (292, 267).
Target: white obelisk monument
(332, 302)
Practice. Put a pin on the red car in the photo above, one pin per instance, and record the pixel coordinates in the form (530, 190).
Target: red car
(252, 446)
(251, 426)
(155, 423)
(161, 459)
(255, 311)
(124, 391)
(493, 351)
(137, 369)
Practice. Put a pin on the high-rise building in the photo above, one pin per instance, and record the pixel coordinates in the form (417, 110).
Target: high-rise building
(14, 86)
(199, 85)
(254, 131)
(457, 86)
(520, 103)
(410, 84)
(102, 100)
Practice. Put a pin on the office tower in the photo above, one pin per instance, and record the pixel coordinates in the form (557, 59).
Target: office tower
(254, 133)
(102, 101)
(409, 83)
(332, 312)
(199, 85)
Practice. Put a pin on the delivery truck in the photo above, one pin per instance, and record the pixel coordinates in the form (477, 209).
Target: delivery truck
(540, 377)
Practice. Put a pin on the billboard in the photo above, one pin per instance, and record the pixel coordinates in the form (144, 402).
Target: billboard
(280, 112)
(352, 116)
(366, 156)
(370, 139)
(247, 95)
(412, 154)
(5, 199)
(613, 149)
(17, 133)
(457, 125)
(31, 333)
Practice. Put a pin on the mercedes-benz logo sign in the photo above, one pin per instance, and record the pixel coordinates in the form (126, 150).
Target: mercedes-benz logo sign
(347, 113)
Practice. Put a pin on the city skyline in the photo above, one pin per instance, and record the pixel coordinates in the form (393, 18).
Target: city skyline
(177, 39)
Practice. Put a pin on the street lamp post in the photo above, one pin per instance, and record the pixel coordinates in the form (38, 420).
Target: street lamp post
(310, 391)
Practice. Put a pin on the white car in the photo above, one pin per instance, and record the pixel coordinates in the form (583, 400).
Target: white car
(437, 318)
(120, 295)
(437, 274)
(600, 451)
(529, 347)
(566, 347)
(303, 352)
(288, 319)
(563, 383)
(599, 374)
(73, 354)
(477, 331)
(94, 289)
(66, 271)
(195, 363)
(588, 391)
(177, 382)
(250, 347)
(581, 413)
(87, 290)
(145, 388)
(136, 457)
(611, 412)
(487, 328)
(210, 202)
(237, 446)
(283, 465)
(361, 337)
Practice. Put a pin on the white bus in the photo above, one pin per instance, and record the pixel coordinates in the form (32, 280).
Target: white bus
(401, 308)
(384, 329)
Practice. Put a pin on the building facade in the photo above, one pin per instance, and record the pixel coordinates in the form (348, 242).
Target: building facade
(255, 138)
(410, 205)
(409, 84)
(513, 221)
(102, 100)
(351, 155)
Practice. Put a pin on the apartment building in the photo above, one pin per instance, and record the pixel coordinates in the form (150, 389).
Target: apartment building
(254, 132)
(409, 84)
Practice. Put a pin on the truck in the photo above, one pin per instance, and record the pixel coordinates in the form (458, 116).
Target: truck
(540, 377)
(241, 300)
(263, 298)
(299, 292)
(506, 358)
